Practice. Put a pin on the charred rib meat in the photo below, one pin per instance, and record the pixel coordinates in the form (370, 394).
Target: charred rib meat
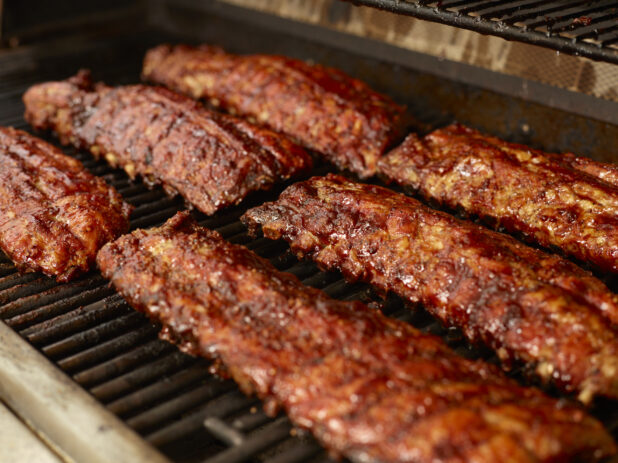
(603, 171)
(525, 304)
(54, 215)
(564, 201)
(212, 160)
(368, 387)
(322, 108)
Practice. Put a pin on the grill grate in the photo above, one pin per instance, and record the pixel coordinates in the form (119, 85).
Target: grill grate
(578, 27)
(87, 330)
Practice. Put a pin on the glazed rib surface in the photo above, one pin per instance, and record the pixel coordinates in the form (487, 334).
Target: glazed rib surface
(54, 215)
(368, 387)
(527, 305)
(212, 160)
(554, 200)
(322, 108)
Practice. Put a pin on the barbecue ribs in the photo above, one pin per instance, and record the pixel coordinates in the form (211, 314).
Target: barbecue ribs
(564, 201)
(527, 305)
(322, 108)
(368, 387)
(212, 160)
(54, 215)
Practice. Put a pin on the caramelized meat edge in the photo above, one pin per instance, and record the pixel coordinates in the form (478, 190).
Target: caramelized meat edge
(322, 108)
(54, 215)
(368, 387)
(529, 306)
(556, 200)
(212, 160)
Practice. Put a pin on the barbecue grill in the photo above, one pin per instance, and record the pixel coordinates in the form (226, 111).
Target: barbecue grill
(88, 375)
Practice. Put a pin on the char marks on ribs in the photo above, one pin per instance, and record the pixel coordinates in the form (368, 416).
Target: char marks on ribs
(212, 160)
(322, 108)
(54, 215)
(527, 305)
(368, 387)
(556, 200)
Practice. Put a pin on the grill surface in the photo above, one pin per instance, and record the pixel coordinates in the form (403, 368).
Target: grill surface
(579, 27)
(87, 330)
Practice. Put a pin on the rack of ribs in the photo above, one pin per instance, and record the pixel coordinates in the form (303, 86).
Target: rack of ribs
(212, 160)
(368, 387)
(54, 215)
(561, 201)
(322, 108)
(529, 306)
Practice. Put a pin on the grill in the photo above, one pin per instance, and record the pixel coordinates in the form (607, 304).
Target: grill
(582, 27)
(175, 406)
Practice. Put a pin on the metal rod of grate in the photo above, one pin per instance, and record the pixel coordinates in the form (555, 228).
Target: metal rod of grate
(577, 27)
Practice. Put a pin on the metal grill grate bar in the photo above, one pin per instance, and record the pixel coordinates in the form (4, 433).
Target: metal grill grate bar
(483, 9)
(113, 374)
(129, 404)
(566, 16)
(55, 292)
(76, 320)
(562, 26)
(26, 285)
(180, 404)
(105, 350)
(249, 421)
(299, 452)
(127, 382)
(610, 40)
(505, 9)
(6, 269)
(262, 439)
(527, 15)
(92, 336)
(221, 406)
(39, 315)
(598, 29)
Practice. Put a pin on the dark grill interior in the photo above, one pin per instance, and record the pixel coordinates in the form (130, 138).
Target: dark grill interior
(586, 28)
(168, 397)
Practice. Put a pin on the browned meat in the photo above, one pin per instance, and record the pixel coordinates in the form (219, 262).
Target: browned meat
(322, 108)
(567, 202)
(212, 160)
(603, 171)
(369, 387)
(527, 305)
(54, 215)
